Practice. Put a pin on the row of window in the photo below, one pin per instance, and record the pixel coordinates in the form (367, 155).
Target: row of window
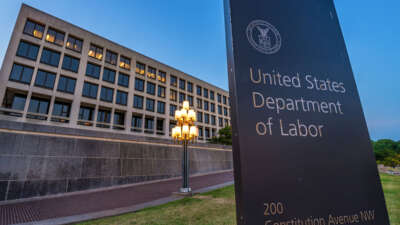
(61, 109)
(111, 58)
(51, 57)
(53, 35)
(46, 79)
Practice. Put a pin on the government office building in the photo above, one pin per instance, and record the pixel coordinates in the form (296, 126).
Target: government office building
(55, 73)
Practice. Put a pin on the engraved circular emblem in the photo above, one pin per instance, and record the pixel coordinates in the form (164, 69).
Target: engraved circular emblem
(264, 37)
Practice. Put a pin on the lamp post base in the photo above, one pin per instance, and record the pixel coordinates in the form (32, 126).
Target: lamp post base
(185, 190)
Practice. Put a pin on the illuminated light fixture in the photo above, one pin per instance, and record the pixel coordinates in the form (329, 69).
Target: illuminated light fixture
(37, 33)
(184, 132)
(91, 53)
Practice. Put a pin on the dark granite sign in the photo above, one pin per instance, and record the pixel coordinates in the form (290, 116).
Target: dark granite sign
(302, 152)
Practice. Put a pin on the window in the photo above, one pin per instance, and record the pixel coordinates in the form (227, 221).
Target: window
(90, 90)
(182, 84)
(34, 29)
(149, 123)
(137, 121)
(220, 110)
(224, 100)
(207, 133)
(61, 109)
(124, 62)
(86, 113)
(206, 105)
(226, 122)
(109, 75)
(199, 103)
(138, 102)
(122, 97)
(96, 52)
(106, 94)
(181, 97)
(151, 88)
(161, 91)
(93, 70)
(39, 105)
(70, 63)
(173, 81)
(161, 107)
(14, 101)
(172, 109)
(212, 107)
(173, 95)
(150, 104)
(212, 95)
(206, 118)
(66, 84)
(219, 98)
(140, 67)
(198, 90)
(50, 57)
(55, 37)
(213, 120)
(21, 73)
(225, 111)
(28, 50)
(205, 93)
(220, 122)
(189, 87)
(119, 119)
(104, 116)
(139, 84)
(190, 99)
(151, 72)
(123, 79)
(160, 125)
(74, 43)
(200, 132)
(45, 79)
(162, 76)
(200, 116)
(111, 57)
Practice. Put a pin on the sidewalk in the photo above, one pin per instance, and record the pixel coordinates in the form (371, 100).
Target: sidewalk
(111, 201)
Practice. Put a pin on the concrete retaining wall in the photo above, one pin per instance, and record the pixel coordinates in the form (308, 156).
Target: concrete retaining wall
(38, 160)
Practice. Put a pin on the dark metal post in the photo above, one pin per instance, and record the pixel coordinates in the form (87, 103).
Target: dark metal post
(185, 168)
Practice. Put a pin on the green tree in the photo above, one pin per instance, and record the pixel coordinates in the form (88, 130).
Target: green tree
(392, 161)
(224, 136)
(386, 144)
(385, 148)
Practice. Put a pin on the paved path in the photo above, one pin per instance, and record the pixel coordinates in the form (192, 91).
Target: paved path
(128, 197)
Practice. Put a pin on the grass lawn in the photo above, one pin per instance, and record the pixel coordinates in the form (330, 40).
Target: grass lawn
(391, 188)
(218, 208)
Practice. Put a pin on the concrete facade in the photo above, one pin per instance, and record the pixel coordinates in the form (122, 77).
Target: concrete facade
(39, 160)
(18, 98)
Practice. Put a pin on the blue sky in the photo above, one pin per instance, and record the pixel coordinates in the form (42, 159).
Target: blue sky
(190, 36)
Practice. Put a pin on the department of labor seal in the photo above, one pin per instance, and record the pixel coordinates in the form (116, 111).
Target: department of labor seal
(264, 37)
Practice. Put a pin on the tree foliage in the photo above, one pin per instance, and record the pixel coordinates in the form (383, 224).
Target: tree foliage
(224, 136)
(387, 152)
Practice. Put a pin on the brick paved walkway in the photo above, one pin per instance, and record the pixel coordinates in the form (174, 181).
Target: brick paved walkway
(83, 203)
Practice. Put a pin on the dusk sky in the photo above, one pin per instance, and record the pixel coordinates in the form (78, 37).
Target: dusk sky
(190, 36)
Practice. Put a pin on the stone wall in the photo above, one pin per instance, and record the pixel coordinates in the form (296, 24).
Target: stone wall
(38, 160)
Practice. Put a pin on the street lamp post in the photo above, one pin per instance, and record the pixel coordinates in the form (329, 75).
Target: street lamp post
(184, 132)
